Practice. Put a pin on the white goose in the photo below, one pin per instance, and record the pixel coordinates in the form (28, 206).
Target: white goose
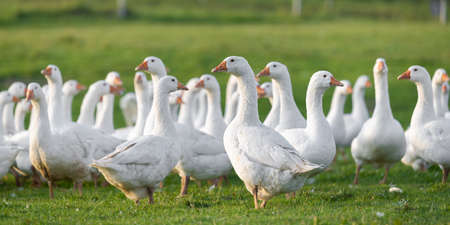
(204, 156)
(290, 116)
(439, 78)
(336, 114)
(21, 138)
(359, 114)
(214, 123)
(429, 135)
(55, 155)
(381, 140)
(267, 164)
(16, 89)
(202, 110)
(141, 88)
(273, 118)
(315, 143)
(23, 107)
(265, 91)
(105, 115)
(136, 169)
(188, 110)
(128, 105)
(70, 89)
(54, 96)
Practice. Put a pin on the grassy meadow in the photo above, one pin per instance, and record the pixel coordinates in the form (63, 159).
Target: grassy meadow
(83, 39)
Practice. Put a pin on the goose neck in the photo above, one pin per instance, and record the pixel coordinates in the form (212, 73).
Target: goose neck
(39, 123)
(337, 103)
(143, 108)
(315, 117)
(248, 104)
(437, 92)
(382, 104)
(55, 104)
(8, 121)
(424, 111)
(444, 101)
(164, 125)
(359, 108)
(19, 118)
(68, 107)
(186, 116)
(105, 119)
(87, 108)
(214, 108)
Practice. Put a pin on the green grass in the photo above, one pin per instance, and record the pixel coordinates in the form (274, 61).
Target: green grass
(331, 199)
(86, 44)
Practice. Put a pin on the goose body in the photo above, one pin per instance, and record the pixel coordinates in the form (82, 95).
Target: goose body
(428, 134)
(381, 140)
(136, 169)
(268, 164)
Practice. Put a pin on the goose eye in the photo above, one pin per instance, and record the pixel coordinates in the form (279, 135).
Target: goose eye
(324, 75)
(415, 69)
(173, 80)
(152, 60)
(274, 66)
(232, 60)
(207, 78)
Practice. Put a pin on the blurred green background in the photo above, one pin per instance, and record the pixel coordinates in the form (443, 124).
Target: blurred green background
(86, 40)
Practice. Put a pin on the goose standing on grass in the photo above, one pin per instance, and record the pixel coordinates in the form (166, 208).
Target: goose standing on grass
(261, 157)
(70, 89)
(16, 89)
(359, 114)
(444, 99)
(289, 115)
(336, 114)
(141, 88)
(214, 123)
(265, 91)
(105, 116)
(381, 140)
(231, 91)
(439, 78)
(128, 105)
(315, 143)
(204, 156)
(136, 169)
(428, 134)
(55, 156)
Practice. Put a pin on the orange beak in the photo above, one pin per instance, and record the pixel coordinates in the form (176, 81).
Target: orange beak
(15, 99)
(260, 91)
(181, 86)
(200, 84)
(380, 65)
(115, 90)
(349, 90)
(142, 66)
(117, 81)
(405, 75)
(368, 84)
(179, 100)
(444, 88)
(334, 82)
(80, 87)
(222, 67)
(47, 71)
(444, 77)
(264, 72)
(29, 95)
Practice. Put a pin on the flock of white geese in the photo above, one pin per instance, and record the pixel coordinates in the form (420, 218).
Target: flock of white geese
(174, 128)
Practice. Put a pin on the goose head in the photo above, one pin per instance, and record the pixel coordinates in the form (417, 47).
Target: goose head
(34, 92)
(6, 97)
(24, 106)
(265, 90)
(102, 87)
(18, 89)
(209, 82)
(380, 67)
(170, 84)
(140, 81)
(52, 74)
(192, 85)
(275, 70)
(153, 65)
(440, 76)
(235, 65)
(72, 88)
(345, 89)
(417, 74)
(113, 78)
(323, 80)
(362, 82)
